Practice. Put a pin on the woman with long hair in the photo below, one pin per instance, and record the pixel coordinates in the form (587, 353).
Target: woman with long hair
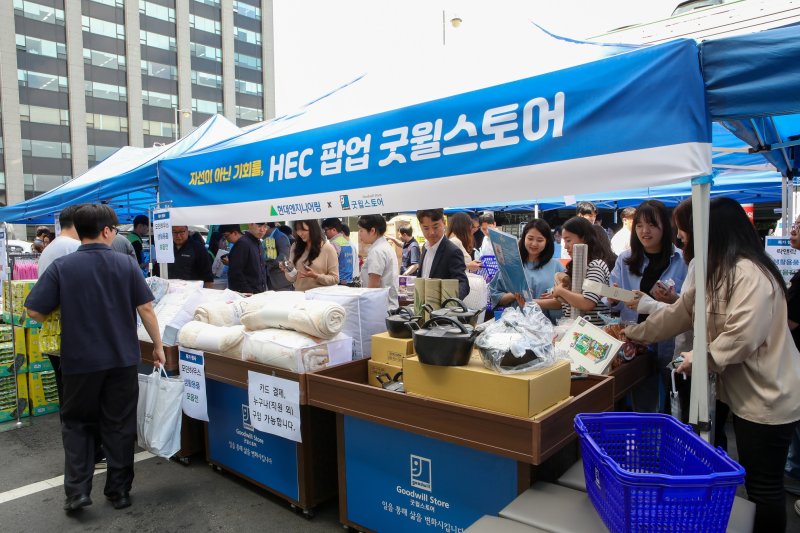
(459, 231)
(314, 261)
(599, 260)
(536, 248)
(751, 349)
(649, 265)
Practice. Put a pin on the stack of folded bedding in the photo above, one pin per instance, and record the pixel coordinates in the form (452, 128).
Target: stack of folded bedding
(223, 340)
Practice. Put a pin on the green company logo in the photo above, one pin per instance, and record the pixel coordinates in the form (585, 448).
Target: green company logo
(272, 211)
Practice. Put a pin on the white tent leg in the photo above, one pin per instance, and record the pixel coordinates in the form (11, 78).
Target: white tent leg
(698, 406)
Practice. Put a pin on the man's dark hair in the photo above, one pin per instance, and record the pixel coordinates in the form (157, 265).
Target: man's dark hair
(66, 217)
(628, 212)
(346, 230)
(433, 214)
(41, 230)
(230, 228)
(286, 230)
(141, 219)
(408, 231)
(370, 222)
(272, 224)
(333, 223)
(585, 208)
(487, 218)
(90, 219)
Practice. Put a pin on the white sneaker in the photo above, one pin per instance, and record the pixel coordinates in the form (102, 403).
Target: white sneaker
(102, 464)
(797, 506)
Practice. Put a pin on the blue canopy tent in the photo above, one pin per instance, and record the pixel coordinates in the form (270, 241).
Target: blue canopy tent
(127, 180)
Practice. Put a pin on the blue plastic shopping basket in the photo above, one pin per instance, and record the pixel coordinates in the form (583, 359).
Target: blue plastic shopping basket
(649, 472)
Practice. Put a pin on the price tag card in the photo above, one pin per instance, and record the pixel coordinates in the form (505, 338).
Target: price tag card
(274, 405)
(192, 369)
(162, 233)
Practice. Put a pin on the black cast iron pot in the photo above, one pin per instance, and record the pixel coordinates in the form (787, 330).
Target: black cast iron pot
(443, 341)
(397, 323)
(459, 312)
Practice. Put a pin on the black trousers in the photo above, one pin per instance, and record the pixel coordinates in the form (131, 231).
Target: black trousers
(107, 401)
(762, 453)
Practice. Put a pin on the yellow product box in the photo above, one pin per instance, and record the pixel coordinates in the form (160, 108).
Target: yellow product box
(8, 407)
(42, 393)
(37, 358)
(386, 349)
(12, 355)
(524, 395)
(375, 369)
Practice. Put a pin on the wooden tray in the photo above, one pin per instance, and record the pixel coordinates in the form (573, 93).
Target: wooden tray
(343, 389)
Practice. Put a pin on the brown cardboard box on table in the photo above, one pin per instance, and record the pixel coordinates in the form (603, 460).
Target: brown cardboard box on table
(524, 395)
(386, 349)
(375, 369)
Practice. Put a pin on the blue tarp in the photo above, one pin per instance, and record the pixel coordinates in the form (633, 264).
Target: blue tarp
(126, 180)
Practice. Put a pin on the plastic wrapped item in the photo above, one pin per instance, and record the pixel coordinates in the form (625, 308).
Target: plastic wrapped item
(158, 286)
(295, 351)
(562, 326)
(520, 341)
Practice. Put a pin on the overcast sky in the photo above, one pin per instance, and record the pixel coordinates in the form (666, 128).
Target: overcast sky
(320, 44)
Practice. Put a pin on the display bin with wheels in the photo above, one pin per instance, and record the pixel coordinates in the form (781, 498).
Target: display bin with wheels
(409, 463)
(192, 431)
(304, 473)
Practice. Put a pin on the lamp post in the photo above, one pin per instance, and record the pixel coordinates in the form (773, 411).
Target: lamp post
(455, 21)
(186, 114)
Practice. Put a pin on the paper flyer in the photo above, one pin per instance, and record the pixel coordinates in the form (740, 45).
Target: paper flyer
(591, 349)
(506, 250)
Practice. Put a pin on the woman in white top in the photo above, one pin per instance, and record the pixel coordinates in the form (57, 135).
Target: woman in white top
(459, 231)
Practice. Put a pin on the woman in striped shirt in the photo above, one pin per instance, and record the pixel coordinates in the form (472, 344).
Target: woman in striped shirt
(600, 260)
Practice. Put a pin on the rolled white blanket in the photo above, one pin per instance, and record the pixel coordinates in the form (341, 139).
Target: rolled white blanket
(217, 313)
(291, 350)
(315, 317)
(216, 339)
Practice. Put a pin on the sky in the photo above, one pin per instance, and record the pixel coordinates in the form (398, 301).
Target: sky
(321, 44)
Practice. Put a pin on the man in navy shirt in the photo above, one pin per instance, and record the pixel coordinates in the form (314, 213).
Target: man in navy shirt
(247, 269)
(99, 292)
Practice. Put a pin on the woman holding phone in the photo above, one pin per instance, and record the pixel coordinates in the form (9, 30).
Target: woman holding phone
(314, 262)
(652, 266)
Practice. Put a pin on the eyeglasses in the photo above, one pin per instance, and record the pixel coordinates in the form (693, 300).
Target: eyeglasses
(179, 232)
(795, 226)
(114, 229)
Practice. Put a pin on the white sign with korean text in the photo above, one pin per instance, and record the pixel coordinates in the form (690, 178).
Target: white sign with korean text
(192, 368)
(162, 233)
(786, 258)
(274, 405)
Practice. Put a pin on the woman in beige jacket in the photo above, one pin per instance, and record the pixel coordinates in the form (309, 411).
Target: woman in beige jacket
(315, 261)
(750, 347)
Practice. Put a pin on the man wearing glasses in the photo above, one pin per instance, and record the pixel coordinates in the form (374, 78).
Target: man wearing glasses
(247, 269)
(192, 262)
(100, 293)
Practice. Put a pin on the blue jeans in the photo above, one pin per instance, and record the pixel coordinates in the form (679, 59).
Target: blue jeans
(792, 468)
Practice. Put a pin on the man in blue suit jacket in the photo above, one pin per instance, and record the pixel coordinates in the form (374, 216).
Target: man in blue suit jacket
(441, 259)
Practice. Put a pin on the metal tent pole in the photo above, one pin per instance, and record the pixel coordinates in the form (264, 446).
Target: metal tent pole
(699, 401)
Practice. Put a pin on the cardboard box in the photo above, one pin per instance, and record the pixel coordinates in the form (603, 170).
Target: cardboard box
(42, 393)
(375, 369)
(37, 359)
(524, 395)
(8, 409)
(13, 354)
(386, 349)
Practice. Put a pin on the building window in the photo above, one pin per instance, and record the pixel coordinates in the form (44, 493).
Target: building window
(53, 149)
(156, 40)
(103, 59)
(214, 3)
(206, 80)
(103, 27)
(107, 122)
(44, 115)
(106, 91)
(206, 106)
(156, 11)
(246, 10)
(244, 60)
(41, 47)
(159, 99)
(204, 24)
(112, 3)
(40, 80)
(39, 183)
(158, 129)
(247, 36)
(39, 12)
(206, 52)
(97, 152)
(159, 70)
(249, 113)
(249, 87)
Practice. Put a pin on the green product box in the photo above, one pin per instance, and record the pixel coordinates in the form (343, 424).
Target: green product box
(20, 320)
(8, 407)
(13, 357)
(38, 361)
(42, 393)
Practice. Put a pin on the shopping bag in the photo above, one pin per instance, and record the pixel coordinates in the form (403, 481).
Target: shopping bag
(158, 414)
(675, 400)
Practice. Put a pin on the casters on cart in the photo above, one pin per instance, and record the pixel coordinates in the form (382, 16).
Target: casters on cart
(215, 468)
(185, 461)
(308, 513)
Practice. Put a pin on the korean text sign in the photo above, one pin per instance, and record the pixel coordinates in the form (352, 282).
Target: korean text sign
(192, 368)
(274, 405)
(162, 232)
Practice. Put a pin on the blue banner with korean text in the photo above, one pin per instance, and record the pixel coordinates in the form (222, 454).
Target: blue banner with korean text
(479, 146)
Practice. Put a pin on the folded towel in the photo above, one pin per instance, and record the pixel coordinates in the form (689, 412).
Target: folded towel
(216, 339)
(286, 349)
(315, 317)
